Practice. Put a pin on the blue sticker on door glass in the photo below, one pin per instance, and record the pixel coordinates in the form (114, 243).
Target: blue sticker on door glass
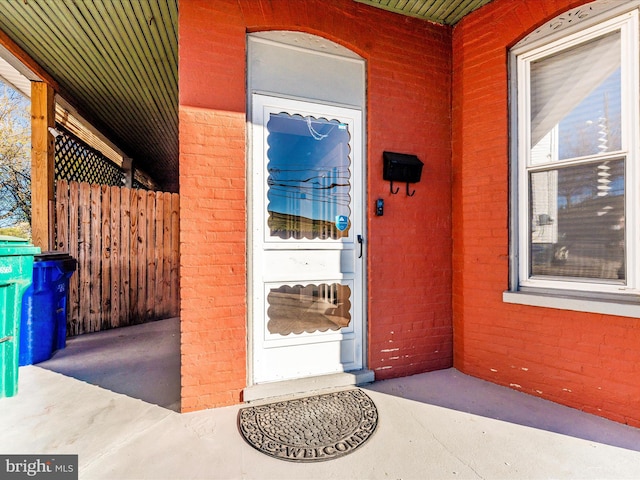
(342, 222)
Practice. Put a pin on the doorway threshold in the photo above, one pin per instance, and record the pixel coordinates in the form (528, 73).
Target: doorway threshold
(307, 385)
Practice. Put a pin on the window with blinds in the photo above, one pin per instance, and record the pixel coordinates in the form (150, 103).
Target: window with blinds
(577, 178)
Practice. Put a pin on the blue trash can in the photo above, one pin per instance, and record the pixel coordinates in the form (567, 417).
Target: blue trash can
(43, 326)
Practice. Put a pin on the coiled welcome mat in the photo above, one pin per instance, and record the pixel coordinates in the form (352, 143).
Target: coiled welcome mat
(310, 429)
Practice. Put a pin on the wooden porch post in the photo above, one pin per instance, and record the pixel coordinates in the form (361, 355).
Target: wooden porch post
(42, 173)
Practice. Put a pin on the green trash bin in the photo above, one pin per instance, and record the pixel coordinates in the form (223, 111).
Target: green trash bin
(16, 270)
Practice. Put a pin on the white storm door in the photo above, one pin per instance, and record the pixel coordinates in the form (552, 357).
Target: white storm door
(307, 239)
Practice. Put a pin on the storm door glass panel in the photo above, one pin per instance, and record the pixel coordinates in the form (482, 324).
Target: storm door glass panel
(308, 308)
(309, 180)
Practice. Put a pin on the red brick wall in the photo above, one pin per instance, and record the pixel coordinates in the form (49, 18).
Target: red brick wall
(409, 264)
(409, 261)
(587, 361)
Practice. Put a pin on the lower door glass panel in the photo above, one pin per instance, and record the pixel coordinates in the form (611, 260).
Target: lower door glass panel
(309, 308)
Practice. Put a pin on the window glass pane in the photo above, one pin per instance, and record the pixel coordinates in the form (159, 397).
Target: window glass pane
(308, 177)
(578, 221)
(576, 101)
(309, 308)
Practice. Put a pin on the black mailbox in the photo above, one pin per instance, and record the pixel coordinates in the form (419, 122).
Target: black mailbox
(401, 167)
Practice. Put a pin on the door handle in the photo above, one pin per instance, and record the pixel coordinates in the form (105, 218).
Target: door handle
(360, 241)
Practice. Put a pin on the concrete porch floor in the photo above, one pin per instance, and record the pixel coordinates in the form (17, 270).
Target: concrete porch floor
(436, 425)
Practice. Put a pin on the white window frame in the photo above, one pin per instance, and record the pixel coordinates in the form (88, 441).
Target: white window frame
(528, 289)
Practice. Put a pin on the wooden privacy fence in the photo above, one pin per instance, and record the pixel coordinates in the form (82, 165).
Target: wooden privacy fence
(126, 244)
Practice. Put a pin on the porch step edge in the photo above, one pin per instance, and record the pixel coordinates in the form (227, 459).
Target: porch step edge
(307, 385)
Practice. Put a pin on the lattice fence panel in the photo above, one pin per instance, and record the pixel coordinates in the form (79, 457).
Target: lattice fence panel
(76, 161)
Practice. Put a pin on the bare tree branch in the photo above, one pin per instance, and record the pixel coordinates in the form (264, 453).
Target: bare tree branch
(15, 158)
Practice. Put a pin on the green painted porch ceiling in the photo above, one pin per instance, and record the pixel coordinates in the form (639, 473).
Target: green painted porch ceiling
(446, 12)
(117, 62)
